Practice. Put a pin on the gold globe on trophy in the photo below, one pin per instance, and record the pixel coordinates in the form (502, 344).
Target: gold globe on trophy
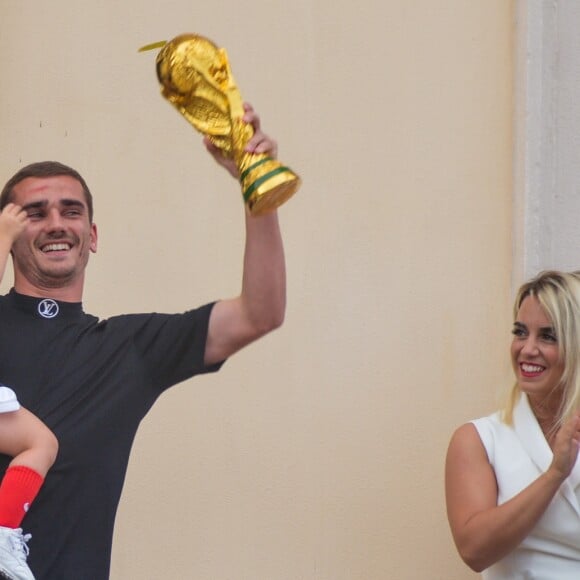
(196, 79)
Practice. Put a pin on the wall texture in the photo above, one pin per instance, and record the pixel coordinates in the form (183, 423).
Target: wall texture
(316, 454)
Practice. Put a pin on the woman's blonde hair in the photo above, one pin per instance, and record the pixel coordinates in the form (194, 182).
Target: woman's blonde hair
(559, 295)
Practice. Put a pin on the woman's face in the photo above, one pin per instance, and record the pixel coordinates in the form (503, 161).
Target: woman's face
(534, 351)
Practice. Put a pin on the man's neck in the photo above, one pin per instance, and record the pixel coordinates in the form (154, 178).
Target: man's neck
(69, 293)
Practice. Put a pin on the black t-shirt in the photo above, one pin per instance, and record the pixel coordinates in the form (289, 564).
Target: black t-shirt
(91, 382)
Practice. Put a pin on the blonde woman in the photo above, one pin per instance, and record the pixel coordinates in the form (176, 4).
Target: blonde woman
(512, 479)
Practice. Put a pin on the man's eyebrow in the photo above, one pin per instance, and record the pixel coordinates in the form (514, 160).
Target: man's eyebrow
(66, 202)
(72, 203)
(35, 205)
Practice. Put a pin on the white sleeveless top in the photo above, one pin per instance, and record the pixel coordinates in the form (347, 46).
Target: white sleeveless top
(519, 455)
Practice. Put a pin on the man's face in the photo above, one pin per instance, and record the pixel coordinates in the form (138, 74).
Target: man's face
(53, 250)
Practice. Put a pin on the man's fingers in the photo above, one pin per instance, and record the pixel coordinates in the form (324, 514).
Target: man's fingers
(251, 117)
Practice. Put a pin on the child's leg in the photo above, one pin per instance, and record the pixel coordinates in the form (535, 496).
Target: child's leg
(33, 448)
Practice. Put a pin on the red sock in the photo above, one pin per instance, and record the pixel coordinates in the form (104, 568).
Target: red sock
(19, 488)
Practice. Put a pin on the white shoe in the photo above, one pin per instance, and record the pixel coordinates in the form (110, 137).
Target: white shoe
(8, 400)
(13, 553)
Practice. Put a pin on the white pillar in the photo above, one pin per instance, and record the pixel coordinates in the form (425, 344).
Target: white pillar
(547, 137)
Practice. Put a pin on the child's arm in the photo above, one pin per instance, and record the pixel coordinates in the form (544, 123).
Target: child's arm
(12, 223)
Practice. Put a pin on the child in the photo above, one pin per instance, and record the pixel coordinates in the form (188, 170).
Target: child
(22, 436)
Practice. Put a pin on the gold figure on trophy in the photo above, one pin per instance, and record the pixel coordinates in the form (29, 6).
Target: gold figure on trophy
(196, 79)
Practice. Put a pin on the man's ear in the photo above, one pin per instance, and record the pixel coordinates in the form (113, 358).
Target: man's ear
(94, 238)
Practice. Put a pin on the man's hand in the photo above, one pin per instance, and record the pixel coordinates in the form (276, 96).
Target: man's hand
(259, 143)
(13, 220)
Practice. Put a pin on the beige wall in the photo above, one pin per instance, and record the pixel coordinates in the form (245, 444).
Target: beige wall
(317, 453)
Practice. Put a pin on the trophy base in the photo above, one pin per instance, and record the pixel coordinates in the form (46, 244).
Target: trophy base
(267, 184)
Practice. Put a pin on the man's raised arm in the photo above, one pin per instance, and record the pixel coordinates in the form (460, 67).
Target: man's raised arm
(260, 307)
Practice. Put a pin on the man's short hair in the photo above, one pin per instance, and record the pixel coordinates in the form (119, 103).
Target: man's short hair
(45, 169)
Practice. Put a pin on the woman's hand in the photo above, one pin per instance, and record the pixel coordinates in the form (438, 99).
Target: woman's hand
(565, 448)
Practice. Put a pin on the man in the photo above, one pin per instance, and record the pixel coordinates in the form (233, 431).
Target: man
(93, 381)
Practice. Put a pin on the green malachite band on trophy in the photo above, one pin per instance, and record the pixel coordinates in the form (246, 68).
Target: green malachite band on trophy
(261, 180)
(252, 167)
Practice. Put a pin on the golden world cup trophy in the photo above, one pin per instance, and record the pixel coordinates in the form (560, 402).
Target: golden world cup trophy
(196, 79)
